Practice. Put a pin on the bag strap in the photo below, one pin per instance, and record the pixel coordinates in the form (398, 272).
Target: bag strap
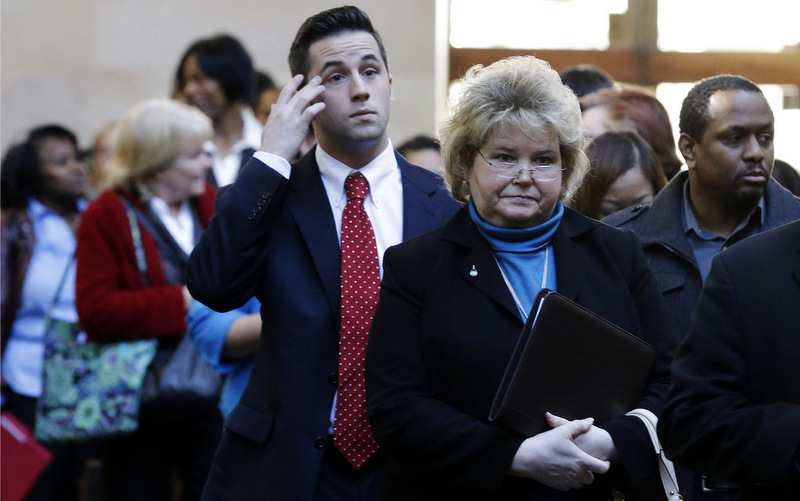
(49, 313)
(665, 468)
(141, 260)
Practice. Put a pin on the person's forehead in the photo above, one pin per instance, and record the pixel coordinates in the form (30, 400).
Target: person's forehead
(55, 143)
(595, 120)
(192, 64)
(510, 135)
(737, 107)
(341, 46)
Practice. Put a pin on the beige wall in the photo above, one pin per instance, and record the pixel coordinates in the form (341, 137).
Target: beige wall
(84, 62)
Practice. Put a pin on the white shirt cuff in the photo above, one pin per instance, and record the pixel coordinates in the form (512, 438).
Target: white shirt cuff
(279, 164)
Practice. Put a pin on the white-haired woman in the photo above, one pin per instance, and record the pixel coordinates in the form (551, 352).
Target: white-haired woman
(454, 301)
(159, 172)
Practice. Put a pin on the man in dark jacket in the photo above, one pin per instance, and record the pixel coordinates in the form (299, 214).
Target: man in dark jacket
(734, 405)
(726, 139)
(287, 234)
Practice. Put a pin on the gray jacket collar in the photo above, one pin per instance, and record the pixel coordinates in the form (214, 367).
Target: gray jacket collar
(664, 222)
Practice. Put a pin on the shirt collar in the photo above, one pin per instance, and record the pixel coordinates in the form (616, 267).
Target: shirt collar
(378, 173)
(691, 224)
(38, 211)
(251, 134)
(161, 209)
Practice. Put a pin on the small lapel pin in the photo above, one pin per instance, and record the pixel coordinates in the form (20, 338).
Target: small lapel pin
(473, 272)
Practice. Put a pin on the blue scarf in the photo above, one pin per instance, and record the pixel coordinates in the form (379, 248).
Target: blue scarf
(521, 254)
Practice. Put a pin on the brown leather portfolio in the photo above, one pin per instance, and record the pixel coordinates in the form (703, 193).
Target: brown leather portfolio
(572, 363)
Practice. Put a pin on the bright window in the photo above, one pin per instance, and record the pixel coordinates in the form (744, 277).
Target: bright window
(532, 24)
(787, 120)
(728, 25)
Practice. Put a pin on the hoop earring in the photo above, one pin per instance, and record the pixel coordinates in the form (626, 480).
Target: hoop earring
(465, 189)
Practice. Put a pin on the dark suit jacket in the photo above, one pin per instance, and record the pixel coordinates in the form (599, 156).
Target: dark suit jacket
(441, 339)
(734, 409)
(275, 239)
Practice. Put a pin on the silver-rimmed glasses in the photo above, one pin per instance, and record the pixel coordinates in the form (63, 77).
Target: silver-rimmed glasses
(512, 169)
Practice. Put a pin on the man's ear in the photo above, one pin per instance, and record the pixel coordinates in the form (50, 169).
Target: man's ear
(686, 145)
(391, 91)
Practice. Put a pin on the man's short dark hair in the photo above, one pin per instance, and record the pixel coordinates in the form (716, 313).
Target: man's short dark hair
(224, 59)
(420, 142)
(22, 167)
(325, 24)
(694, 115)
(585, 78)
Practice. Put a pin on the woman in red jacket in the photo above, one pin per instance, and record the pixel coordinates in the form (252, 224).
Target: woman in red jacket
(158, 174)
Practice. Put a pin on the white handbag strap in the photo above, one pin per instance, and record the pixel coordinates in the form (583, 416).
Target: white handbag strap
(665, 468)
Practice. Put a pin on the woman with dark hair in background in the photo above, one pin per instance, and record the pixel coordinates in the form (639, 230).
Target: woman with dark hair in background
(43, 188)
(623, 171)
(216, 76)
(423, 150)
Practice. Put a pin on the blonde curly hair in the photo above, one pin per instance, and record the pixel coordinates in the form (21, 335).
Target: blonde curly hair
(520, 91)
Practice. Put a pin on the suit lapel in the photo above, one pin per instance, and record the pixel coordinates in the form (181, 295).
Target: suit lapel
(572, 267)
(419, 214)
(309, 205)
(462, 232)
(571, 261)
(247, 153)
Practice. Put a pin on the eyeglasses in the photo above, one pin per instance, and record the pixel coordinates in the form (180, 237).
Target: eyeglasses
(511, 169)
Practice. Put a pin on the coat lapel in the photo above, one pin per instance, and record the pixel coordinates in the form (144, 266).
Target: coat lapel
(462, 232)
(419, 213)
(309, 205)
(571, 261)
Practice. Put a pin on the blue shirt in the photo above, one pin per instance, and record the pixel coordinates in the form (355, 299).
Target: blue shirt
(208, 330)
(52, 256)
(706, 245)
(521, 255)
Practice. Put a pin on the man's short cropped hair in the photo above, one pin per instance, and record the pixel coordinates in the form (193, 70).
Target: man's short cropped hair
(325, 24)
(694, 117)
(585, 78)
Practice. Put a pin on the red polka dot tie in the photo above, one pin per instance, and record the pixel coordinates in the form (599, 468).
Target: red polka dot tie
(352, 435)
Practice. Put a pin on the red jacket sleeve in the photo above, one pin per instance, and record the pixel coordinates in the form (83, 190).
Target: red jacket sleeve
(111, 298)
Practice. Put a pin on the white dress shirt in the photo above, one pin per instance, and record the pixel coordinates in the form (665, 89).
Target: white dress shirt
(181, 228)
(384, 204)
(227, 168)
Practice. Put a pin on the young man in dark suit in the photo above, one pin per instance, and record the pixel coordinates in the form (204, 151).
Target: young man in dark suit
(276, 235)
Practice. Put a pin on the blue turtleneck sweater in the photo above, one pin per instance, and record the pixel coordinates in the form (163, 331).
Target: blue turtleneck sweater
(521, 255)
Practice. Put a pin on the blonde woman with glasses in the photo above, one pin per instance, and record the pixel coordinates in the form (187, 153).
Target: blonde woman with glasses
(454, 301)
